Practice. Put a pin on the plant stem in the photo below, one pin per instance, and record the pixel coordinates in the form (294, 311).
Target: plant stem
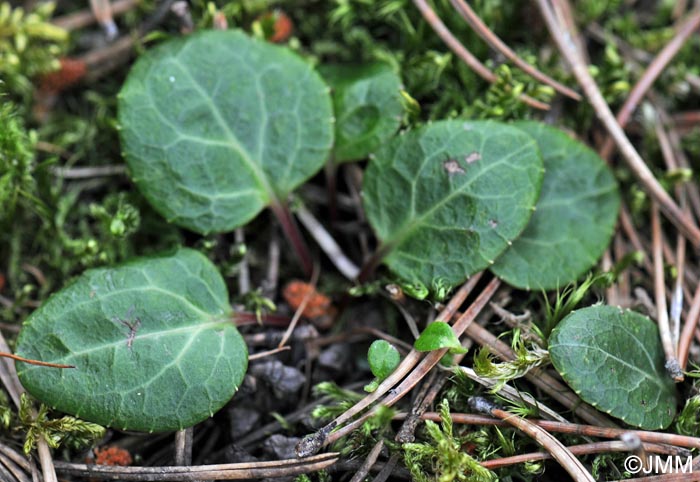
(291, 232)
(34, 362)
(369, 462)
(46, 461)
(183, 447)
(371, 264)
(691, 323)
(84, 18)
(243, 271)
(672, 366)
(238, 471)
(331, 172)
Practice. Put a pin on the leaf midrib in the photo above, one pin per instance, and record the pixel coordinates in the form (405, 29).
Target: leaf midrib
(409, 227)
(230, 135)
(644, 374)
(195, 329)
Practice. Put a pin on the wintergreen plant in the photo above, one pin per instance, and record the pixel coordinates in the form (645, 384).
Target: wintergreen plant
(152, 344)
(613, 359)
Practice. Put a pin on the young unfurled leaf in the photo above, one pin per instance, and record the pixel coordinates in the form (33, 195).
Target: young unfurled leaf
(383, 358)
(151, 341)
(613, 360)
(436, 336)
(574, 220)
(447, 199)
(368, 107)
(217, 126)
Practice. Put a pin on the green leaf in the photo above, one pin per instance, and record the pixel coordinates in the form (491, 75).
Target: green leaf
(152, 343)
(383, 358)
(575, 216)
(217, 126)
(436, 336)
(445, 200)
(368, 107)
(613, 360)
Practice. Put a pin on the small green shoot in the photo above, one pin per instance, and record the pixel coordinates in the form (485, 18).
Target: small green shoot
(527, 357)
(340, 400)
(383, 358)
(436, 336)
(443, 455)
(255, 301)
(566, 300)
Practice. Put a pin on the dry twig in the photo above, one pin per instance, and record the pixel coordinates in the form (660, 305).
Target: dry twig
(463, 53)
(653, 71)
(672, 366)
(558, 451)
(583, 449)
(248, 470)
(574, 429)
(634, 161)
(312, 443)
(496, 43)
(463, 321)
(368, 463)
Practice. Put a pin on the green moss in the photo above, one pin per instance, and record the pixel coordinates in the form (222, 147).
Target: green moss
(29, 45)
(16, 163)
(441, 457)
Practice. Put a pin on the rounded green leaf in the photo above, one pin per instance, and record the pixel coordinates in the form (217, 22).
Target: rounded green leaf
(447, 199)
(368, 107)
(152, 343)
(574, 220)
(613, 359)
(383, 358)
(217, 126)
(436, 336)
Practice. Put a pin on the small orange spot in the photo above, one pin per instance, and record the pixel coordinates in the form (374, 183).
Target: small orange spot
(112, 455)
(318, 305)
(469, 447)
(219, 21)
(70, 73)
(277, 25)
